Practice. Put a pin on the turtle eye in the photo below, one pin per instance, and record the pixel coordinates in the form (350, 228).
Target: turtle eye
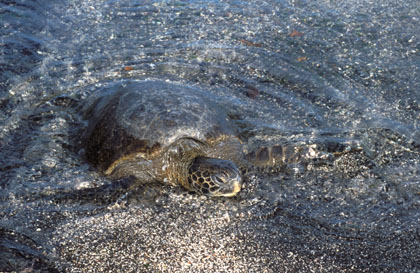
(219, 180)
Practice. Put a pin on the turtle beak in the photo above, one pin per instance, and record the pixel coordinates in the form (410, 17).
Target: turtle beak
(235, 188)
(228, 182)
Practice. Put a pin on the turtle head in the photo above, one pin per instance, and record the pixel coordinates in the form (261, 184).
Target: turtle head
(214, 177)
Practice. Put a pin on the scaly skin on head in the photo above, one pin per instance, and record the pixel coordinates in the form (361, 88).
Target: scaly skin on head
(186, 164)
(214, 177)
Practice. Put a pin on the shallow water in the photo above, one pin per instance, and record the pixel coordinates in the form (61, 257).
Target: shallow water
(341, 75)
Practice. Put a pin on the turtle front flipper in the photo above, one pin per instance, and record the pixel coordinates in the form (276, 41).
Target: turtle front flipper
(289, 153)
(285, 154)
(144, 171)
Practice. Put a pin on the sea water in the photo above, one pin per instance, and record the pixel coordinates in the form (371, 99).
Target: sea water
(343, 75)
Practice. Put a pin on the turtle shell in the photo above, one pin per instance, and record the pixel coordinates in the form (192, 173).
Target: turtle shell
(140, 118)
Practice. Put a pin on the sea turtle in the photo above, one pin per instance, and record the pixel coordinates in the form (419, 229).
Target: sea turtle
(160, 131)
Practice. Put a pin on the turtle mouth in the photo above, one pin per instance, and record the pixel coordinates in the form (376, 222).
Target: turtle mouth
(214, 177)
(226, 184)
